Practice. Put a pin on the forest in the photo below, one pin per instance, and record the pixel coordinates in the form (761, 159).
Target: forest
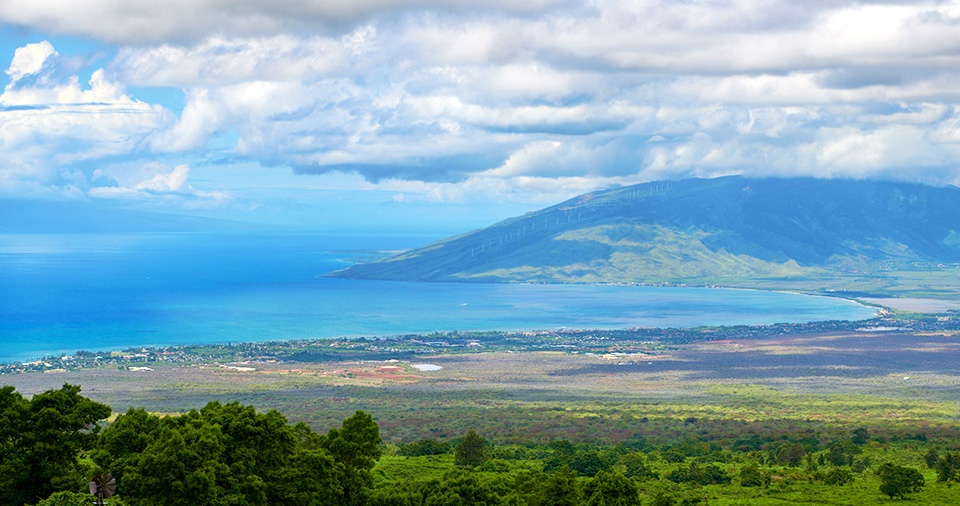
(54, 443)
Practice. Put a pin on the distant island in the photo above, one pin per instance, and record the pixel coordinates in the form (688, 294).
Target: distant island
(845, 237)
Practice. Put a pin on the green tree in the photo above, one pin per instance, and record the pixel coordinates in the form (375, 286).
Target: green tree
(355, 448)
(750, 476)
(74, 499)
(40, 441)
(838, 476)
(636, 466)
(182, 465)
(120, 445)
(560, 489)
(423, 447)
(660, 498)
(462, 488)
(860, 436)
(64, 498)
(948, 467)
(899, 480)
(611, 489)
(561, 455)
(228, 454)
(588, 463)
(790, 454)
(310, 478)
(841, 453)
(695, 473)
(469, 451)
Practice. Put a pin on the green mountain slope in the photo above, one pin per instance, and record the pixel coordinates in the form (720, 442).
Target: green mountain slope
(800, 233)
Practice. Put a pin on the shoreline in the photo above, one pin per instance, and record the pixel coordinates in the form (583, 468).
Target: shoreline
(414, 345)
(555, 306)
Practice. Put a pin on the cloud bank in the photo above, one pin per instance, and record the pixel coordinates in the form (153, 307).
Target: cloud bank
(445, 98)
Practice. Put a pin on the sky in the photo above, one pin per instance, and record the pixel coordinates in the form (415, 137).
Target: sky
(455, 114)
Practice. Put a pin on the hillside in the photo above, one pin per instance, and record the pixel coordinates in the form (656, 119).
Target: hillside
(791, 233)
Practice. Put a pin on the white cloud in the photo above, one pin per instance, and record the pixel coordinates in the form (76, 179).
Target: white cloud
(218, 61)
(173, 181)
(499, 96)
(50, 126)
(29, 60)
(160, 180)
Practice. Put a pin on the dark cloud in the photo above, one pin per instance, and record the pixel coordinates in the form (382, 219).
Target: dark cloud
(450, 169)
(894, 75)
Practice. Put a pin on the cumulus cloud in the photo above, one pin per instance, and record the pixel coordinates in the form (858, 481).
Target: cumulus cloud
(160, 181)
(29, 60)
(51, 126)
(555, 95)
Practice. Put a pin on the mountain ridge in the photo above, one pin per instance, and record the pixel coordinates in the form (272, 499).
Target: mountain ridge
(732, 230)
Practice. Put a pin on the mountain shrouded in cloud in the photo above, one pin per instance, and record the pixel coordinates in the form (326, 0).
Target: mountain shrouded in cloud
(472, 104)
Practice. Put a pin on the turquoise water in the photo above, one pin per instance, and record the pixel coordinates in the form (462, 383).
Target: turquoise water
(63, 293)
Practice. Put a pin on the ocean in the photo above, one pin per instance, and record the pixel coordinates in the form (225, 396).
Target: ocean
(60, 293)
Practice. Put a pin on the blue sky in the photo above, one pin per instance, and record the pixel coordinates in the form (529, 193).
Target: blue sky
(439, 113)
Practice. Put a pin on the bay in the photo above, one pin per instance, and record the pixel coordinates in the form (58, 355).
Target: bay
(60, 293)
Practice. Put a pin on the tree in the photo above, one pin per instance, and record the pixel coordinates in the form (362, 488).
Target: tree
(355, 448)
(899, 480)
(790, 454)
(460, 488)
(750, 476)
(40, 441)
(561, 455)
(841, 453)
(695, 473)
(662, 499)
(73, 499)
(860, 436)
(838, 476)
(637, 467)
(588, 463)
(228, 454)
(120, 445)
(469, 451)
(423, 447)
(611, 489)
(309, 479)
(560, 489)
(948, 467)
(182, 465)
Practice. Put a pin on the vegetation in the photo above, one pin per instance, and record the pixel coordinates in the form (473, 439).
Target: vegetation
(722, 416)
(229, 453)
(899, 480)
(469, 451)
(41, 441)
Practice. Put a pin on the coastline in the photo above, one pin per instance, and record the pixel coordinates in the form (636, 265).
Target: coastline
(413, 345)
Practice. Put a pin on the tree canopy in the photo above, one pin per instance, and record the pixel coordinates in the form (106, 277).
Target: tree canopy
(899, 480)
(40, 441)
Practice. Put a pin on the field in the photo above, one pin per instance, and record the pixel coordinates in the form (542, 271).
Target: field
(890, 380)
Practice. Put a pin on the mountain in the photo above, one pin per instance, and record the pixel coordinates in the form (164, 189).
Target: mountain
(730, 230)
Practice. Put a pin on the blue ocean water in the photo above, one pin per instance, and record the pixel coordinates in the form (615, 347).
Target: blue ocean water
(60, 293)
